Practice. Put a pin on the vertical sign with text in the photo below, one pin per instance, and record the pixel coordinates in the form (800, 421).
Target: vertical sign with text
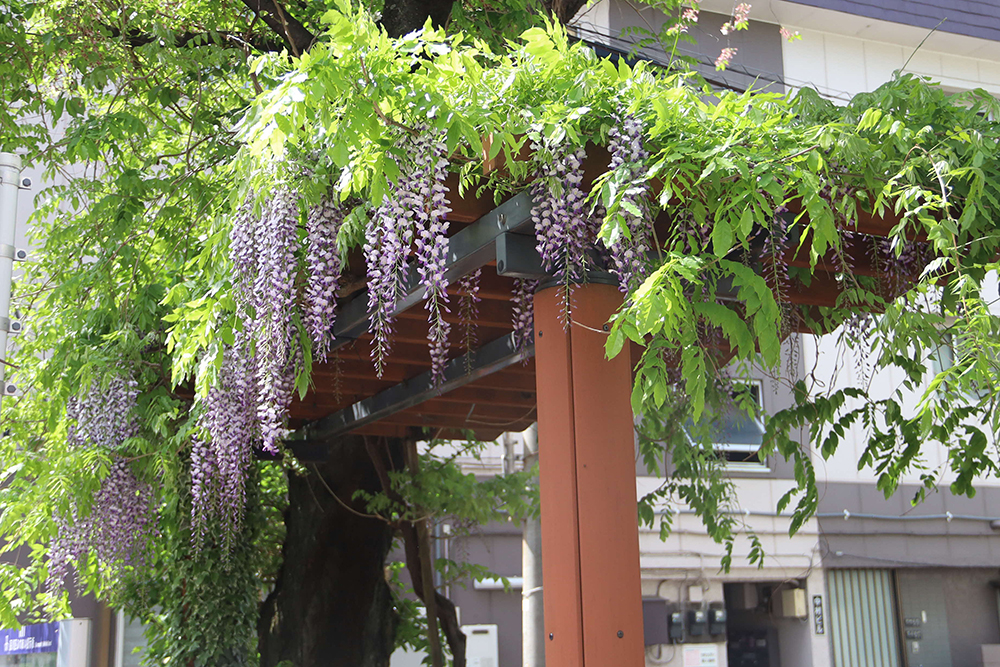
(818, 624)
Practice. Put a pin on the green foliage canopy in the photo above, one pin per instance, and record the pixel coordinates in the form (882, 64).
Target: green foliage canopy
(165, 127)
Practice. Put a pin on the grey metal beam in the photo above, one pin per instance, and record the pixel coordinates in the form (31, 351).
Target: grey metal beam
(488, 359)
(468, 250)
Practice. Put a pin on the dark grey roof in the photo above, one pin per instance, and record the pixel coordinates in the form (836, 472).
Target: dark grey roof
(973, 18)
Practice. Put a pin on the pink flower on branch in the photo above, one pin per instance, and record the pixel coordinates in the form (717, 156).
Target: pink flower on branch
(788, 35)
(741, 19)
(687, 18)
(725, 57)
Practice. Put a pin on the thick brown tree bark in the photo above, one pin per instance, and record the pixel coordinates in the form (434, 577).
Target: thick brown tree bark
(400, 17)
(331, 606)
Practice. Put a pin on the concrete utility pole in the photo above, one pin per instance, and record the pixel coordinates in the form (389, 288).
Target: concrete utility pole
(10, 183)
(532, 611)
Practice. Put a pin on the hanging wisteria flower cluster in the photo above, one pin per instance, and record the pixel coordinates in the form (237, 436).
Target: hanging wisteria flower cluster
(263, 254)
(564, 230)
(273, 304)
(414, 214)
(117, 529)
(773, 249)
(219, 465)
(523, 313)
(901, 263)
(468, 311)
(104, 416)
(121, 519)
(323, 266)
(628, 160)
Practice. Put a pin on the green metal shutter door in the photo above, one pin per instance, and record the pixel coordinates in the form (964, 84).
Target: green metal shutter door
(862, 618)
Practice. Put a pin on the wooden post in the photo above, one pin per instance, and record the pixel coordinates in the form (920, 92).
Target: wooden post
(590, 533)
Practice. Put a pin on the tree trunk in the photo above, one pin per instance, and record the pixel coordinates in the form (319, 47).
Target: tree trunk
(331, 606)
(400, 17)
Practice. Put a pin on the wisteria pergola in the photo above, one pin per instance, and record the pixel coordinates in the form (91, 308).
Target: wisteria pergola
(580, 399)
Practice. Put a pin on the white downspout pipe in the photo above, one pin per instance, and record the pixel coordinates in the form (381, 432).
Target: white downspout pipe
(532, 616)
(10, 182)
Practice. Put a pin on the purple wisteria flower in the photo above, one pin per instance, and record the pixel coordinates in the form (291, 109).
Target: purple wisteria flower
(413, 215)
(324, 266)
(523, 314)
(118, 528)
(104, 416)
(628, 161)
(220, 464)
(468, 311)
(562, 225)
(274, 292)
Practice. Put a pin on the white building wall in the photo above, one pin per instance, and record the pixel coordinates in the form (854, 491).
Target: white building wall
(840, 66)
(685, 568)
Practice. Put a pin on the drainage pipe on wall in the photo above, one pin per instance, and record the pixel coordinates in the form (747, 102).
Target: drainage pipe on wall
(10, 182)
(532, 615)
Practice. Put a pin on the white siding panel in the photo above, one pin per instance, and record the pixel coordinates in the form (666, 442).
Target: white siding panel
(881, 60)
(840, 66)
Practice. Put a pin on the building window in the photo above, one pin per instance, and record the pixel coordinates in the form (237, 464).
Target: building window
(736, 435)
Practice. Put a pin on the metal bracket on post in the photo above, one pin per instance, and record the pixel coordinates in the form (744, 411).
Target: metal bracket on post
(10, 252)
(11, 326)
(517, 257)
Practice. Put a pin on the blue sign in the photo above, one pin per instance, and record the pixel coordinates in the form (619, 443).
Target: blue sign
(39, 638)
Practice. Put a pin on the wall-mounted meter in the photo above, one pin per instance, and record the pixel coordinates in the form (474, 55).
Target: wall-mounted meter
(676, 625)
(716, 621)
(696, 622)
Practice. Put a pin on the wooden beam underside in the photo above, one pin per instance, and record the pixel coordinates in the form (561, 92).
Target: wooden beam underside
(505, 400)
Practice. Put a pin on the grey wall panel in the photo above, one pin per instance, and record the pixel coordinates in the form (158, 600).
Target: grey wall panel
(973, 18)
(862, 542)
(498, 547)
(503, 609)
(757, 64)
(971, 603)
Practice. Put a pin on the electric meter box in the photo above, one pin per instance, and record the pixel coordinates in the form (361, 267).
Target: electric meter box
(716, 621)
(793, 603)
(676, 625)
(696, 622)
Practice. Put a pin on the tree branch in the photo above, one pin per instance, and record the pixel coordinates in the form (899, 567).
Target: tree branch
(564, 10)
(400, 17)
(426, 565)
(446, 612)
(137, 38)
(277, 18)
